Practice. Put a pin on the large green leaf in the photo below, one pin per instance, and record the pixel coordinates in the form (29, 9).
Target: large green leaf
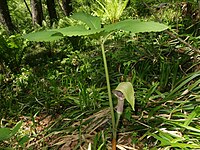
(136, 26)
(46, 36)
(127, 89)
(56, 34)
(91, 21)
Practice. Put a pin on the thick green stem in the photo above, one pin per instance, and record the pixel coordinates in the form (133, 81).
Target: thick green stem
(114, 131)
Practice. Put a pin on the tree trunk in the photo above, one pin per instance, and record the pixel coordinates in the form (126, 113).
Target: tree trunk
(37, 13)
(5, 18)
(28, 8)
(51, 11)
(67, 7)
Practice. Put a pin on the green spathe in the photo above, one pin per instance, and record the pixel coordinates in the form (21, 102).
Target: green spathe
(127, 89)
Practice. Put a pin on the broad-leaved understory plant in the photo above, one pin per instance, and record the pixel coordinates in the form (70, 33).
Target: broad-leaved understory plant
(111, 9)
(92, 26)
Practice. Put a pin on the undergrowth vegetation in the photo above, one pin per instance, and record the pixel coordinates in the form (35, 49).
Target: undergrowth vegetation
(53, 95)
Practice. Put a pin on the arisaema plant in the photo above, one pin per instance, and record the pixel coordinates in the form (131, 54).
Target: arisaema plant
(92, 26)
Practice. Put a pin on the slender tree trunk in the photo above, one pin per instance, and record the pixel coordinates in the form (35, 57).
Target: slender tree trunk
(27, 8)
(5, 18)
(60, 5)
(51, 10)
(37, 13)
(67, 7)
